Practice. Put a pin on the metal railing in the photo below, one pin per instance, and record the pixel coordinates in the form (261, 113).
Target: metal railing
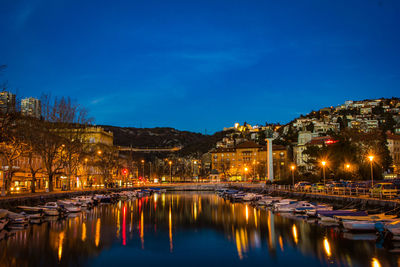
(336, 191)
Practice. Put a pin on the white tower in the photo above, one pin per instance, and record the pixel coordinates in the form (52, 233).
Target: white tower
(270, 161)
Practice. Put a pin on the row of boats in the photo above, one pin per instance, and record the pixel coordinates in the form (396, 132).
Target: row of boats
(350, 219)
(22, 216)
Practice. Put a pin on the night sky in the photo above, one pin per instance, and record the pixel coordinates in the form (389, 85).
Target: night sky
(196, 65)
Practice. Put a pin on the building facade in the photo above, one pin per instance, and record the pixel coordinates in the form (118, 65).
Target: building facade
(247, 161)
(394, 149)
(31, 107)
(7, 102)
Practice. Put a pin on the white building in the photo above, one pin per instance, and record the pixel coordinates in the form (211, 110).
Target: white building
(31, 107)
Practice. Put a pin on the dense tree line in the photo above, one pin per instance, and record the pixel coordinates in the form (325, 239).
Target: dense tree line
(348, 157)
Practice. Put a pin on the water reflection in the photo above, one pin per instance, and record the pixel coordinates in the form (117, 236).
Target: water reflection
(183, 227)
(327, 247)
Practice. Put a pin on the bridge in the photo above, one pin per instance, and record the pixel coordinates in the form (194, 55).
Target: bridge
(150, 149)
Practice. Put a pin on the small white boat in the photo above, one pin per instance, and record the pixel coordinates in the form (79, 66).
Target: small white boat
(69, 206)
(102, 198)
(363, 236)
(51, 205)
(291, 207)
(16, 218)
(283, 202)
(359, 225)
(250, 197)
(303, 207)
(34, 214)
(373, 218)
(84, 201)
(266, 200)
(51, 212)
(313, 212)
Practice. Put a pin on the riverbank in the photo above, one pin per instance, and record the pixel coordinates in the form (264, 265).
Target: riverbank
(40, 197)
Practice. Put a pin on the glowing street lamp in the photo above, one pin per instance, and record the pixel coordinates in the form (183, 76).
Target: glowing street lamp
(99, 152)
(371, 160)
(293, 167)
(245, 173)
(143, 169)
(323, 170)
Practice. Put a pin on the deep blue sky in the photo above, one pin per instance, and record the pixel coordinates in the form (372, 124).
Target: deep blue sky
(197, 65)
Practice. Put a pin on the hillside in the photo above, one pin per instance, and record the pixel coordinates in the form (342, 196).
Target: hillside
(164, 137)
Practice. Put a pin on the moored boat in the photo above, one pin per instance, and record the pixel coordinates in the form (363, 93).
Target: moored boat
(359, 225)
(374, 217)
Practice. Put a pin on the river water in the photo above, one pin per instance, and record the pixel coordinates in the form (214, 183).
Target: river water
(197, 228)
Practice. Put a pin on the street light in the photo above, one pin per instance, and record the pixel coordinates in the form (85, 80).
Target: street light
(254, 170)
(292, 167)
(170, 171)
(347, 166)
(323, 170)
(371, 160)
(143, 169)
(245, 173)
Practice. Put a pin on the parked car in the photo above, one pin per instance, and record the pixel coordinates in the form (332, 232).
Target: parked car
(337, 188)
(383, 190)
(303, 186)
(317, 187)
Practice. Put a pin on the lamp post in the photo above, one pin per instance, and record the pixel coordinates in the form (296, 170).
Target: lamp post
(86, 172)
(292, 167)
(371, 160)
(323, 170)
(170, 171)
(143, 169)
(347, 167)
(245, 173)
(254, 170)
(150, 172)
(3, 186)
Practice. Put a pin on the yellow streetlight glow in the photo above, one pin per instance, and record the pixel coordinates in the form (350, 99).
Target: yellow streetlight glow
(348, 166)
(327, 247)
(99, 152)
(375, 262)
(371, 158)
(170, 162)
(294, 231)
(292, 167)
(323, 163)
(246, 169)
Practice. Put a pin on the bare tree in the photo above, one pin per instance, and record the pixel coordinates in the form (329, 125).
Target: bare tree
(61, 133)
(106, 161)
(11, 146)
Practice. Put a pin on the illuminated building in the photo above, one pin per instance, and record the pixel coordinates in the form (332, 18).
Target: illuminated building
(394, 149)
(231, 163)
(7, 102)
(31, 107)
